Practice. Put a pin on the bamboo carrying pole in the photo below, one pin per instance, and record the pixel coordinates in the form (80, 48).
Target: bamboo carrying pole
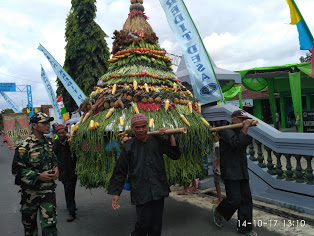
(170, 131)
(234, 126)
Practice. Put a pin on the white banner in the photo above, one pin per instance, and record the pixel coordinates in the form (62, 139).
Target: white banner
(69, 84)
(14, 107)
(203, 79)
(51, 95)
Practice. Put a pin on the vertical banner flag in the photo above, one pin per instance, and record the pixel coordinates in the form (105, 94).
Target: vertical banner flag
(68, 83)
(203, 79)
(51, 95)
(14, 107)
(62, 108)
(16, 128)
(305, 36)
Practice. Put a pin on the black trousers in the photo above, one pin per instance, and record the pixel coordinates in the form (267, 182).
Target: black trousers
(149, 218)
(238, 198)
(69, 192)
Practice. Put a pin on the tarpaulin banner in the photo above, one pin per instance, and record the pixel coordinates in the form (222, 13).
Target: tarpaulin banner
(51, 95)
(69, 84)
(202, 75)
(14, 107)
(296, 94)
(16, 128)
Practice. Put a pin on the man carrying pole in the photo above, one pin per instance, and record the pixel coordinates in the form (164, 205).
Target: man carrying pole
(234, 172)
(142, 159)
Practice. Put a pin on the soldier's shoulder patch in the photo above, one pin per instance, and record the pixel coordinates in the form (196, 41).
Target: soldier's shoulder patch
(21, 151)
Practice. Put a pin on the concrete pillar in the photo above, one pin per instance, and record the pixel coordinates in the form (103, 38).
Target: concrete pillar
(283, 111)
(272, 101)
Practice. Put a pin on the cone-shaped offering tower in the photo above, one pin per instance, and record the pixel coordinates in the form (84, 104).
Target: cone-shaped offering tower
(139, 79)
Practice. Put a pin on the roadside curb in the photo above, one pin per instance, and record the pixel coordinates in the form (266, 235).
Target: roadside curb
(210, 193)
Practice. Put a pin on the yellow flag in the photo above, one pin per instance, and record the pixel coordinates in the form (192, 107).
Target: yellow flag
(65, 116)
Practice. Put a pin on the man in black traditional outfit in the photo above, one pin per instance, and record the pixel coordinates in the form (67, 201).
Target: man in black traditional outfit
(234, 172)
(67, 165)
(142, 159)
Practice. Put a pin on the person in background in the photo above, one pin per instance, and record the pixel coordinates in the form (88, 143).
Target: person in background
(142, 159)
(35, 169)
(234, 172)
(292, 117)
(216, 168)
(67, 165)
(5, 140)
(192, 187)
(53, 131)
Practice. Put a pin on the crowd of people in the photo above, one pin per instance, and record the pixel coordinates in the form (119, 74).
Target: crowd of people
(38, 162)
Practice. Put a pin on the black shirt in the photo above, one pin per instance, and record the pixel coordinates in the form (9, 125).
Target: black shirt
(145, 165)
(66, 161)
(233, 160)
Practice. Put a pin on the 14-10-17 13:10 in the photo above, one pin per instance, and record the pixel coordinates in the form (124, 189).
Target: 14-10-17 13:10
(273, 223)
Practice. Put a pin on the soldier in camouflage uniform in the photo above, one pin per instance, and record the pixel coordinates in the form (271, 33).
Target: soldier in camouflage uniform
(34, 168)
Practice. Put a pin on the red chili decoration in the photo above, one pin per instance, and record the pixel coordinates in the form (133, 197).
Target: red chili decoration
(149, 107)
(95, 112)
(171, 106)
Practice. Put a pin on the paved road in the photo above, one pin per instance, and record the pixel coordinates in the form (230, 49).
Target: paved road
(96, 217)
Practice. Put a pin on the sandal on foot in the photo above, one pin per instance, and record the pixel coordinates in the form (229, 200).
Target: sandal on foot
(182, 193)
(215, 201)
(217, 220)
(247, 232)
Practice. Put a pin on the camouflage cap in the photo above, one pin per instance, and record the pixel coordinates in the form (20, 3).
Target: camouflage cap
(40, 117)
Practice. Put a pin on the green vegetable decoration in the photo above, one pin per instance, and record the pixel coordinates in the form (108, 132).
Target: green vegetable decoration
(139, 79)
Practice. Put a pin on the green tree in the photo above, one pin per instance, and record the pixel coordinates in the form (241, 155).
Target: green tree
(5, 111)
(307, 58)
(87, 52)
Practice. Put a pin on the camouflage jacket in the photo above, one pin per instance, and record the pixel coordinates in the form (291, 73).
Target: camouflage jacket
(32, 157)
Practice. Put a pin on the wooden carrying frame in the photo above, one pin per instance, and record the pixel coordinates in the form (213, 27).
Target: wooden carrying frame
(234, 126)
(170, 131)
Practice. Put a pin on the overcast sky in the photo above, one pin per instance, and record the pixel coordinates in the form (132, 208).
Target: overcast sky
(238, 35)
